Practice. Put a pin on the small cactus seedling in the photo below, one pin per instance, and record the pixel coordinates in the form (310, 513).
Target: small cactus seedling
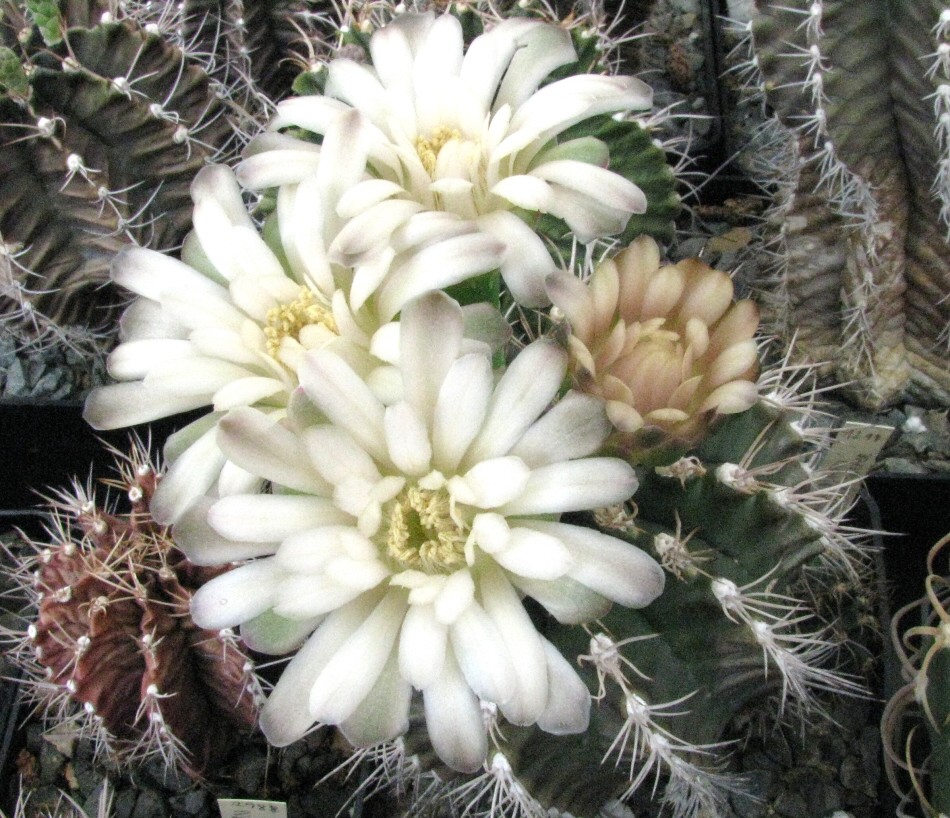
(924, 652)
(111, 644)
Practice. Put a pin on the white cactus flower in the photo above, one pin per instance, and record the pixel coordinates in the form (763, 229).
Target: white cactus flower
(455, 140)
(401, 538)
(231, 330)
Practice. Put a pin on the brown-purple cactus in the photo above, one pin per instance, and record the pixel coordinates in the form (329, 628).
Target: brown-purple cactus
(112, 632)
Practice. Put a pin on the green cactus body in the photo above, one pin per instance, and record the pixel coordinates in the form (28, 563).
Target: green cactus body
(858, 283)
(735, 526)
(106, 116)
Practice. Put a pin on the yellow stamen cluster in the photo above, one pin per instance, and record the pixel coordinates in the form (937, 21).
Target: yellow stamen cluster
(428, 147)
(421, 532)
(288, 320)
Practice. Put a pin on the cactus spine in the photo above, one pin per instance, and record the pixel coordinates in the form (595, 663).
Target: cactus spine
(111, 646)
(924, 653)
(855, 246)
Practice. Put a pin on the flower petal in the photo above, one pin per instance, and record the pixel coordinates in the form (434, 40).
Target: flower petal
(271, 517)
(204, 546)
(460, 409)
(490, 483)
(454, 720)
(345, 399)
(524, 646)
(480, 651)
(575, 485)
(236, 596)
(408, 440)
(524, 391)
(261, 445)
(568, 707)
(526, 262)
(422, 644)
(352, 671)
(574, 427)
(430, 336)
(384, 714)
(285, 716)
(618, 570)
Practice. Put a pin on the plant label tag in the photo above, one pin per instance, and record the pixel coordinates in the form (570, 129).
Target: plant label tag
(856, 447)
(249, 808)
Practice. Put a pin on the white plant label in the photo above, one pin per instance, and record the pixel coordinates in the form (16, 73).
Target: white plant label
(249, 808)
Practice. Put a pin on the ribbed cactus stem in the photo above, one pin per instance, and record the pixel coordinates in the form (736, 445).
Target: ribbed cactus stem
(857, 163)
(111, 645)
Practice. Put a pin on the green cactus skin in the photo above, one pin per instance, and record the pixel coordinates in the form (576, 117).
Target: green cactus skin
(107, 111)
(857, 280)
(919, 770)
(110, 645)
(738, 524)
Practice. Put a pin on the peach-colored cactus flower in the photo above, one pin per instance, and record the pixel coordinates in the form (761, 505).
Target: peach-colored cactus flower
(666, 346)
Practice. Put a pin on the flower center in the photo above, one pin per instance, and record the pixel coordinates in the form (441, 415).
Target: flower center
(421, 532)
(287, 320)
(428, 147)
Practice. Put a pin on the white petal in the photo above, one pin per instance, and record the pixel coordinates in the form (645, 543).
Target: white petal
(566, 599)
(271, 517)
(133, 359)
(275, 635)
(574, 427)
(438, 266)
(245, 392)
(312, 113)
(526, 262)
(343, 155)
(524, 648)
(456, 595)
(218, 184)
(305, 596)
(524, 391)
(345, 399)
(358, 85)
(575, 485)
(557, 106)
(611, 567)
(454, 720)
(151, 274)
(606, 187)
(369, 231)
(482, 655)
(129, 404)
(205, 546)
(263, 446)
(308, 551)
(384, 713)
(422, 643)
(568, 706)
(534, 554)
(285, 716)
(460, 409)
(337, 456)
(301, 218)
(364, 195)
(430, 335)
(236, 596)
(353, 669)
(191, 474)
(408, 440)
(527, 192)
(490, 483)
(541, 49)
